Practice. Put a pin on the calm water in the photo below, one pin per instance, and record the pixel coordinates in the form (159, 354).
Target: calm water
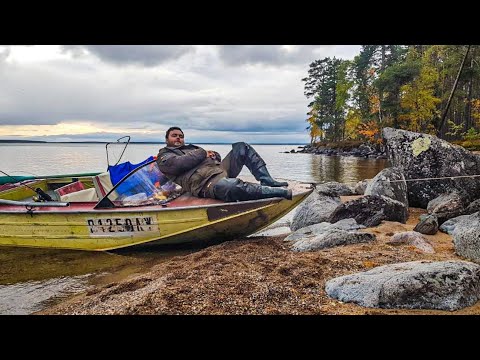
(32, 279)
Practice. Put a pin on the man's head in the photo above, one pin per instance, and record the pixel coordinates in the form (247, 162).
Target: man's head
(174, 137)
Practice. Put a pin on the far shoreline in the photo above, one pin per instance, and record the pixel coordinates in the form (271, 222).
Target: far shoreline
(131, 142)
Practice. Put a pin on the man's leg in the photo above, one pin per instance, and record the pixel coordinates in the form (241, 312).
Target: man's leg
(244, 154)
(233, 189)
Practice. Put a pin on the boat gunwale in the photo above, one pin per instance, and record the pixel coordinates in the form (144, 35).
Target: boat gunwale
(144, 209)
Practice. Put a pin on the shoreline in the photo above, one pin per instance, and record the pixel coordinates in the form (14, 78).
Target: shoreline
(257, 275)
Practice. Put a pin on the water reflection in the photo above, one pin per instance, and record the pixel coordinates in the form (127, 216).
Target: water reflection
(30, 296)
(32, 279)
(347, 170)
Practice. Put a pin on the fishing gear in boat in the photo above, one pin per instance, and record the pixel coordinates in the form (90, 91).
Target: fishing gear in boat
(42, 196)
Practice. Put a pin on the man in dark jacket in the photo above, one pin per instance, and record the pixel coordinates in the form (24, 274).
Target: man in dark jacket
(201, 172)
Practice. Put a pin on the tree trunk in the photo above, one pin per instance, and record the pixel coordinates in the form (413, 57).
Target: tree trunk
(442, 121)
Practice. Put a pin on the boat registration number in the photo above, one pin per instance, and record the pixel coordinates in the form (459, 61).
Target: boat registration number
(121, 225)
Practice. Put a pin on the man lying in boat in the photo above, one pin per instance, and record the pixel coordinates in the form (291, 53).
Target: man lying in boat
(203, 174)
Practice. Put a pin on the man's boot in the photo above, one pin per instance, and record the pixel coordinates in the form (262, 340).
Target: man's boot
(268, 192)
(262, 175)
(244, 154)
(233, 189)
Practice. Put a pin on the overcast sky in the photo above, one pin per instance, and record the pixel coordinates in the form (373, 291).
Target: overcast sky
(215, 93)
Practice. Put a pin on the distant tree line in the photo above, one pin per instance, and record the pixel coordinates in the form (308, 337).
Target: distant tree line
(405, 87)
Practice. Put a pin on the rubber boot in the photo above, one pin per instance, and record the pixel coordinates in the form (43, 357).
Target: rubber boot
(233, 189)
(262, 175)
(268, 192)
(244, 154)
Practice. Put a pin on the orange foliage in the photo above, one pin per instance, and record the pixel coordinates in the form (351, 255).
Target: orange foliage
(370, 131)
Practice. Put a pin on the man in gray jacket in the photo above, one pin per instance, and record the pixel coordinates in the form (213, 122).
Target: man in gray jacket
(201, 172)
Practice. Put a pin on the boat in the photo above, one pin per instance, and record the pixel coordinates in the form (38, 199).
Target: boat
(88, 212)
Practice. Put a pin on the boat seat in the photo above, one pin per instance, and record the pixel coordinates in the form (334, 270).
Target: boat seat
(103, 184)
(85, 195)
(69, 188)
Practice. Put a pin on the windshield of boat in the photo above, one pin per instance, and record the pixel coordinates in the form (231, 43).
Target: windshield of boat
(145, 185)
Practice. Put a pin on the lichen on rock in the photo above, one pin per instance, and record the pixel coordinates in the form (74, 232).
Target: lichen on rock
(420, 145)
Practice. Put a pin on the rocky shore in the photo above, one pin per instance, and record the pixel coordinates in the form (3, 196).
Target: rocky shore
(404, 242)
(367, 151)
(259, 275)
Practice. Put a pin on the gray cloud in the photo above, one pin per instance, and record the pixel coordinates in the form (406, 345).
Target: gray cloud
(196, 91)
(146, 55)
(4, 54)
(281, 55)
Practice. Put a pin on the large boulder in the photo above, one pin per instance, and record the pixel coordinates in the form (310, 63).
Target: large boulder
(315, 209)
(422, 156)
(442, 285)
(370, 210)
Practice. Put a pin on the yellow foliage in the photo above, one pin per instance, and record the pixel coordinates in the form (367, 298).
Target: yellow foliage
(352, 122)
(316, 132)
(418, 99)
(375, 102)
(476, 111)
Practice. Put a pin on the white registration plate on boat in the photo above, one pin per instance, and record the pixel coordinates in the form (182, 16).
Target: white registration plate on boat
(121, 225)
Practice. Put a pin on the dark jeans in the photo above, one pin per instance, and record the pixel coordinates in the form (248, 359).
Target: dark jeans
(240, 155)
(231, 188)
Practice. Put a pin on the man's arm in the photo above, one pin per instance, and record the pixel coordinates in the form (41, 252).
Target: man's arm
(173, 164)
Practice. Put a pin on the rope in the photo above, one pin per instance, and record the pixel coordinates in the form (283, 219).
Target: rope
(419, 179)
(434, 178)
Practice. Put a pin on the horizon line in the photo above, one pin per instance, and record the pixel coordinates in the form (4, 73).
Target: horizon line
(137, 142)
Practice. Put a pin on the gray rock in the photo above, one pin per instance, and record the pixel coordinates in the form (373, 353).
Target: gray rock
(466, 238)
(428, 225)
(315, 209)
(448, 206)
(449, 225)
(331, 238)
(317, 229)
(473, 207)
(412, 238)
(425, 156)
(442, 285)
(370, 210)
(361, 186)
(389, 182)
(334, 188)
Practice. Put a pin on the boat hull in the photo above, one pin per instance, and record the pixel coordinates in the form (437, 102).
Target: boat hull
(82, 228)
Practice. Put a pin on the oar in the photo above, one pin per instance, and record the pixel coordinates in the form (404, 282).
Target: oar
(43, 195)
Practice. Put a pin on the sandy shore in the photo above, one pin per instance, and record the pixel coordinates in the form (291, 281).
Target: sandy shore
(257, 275)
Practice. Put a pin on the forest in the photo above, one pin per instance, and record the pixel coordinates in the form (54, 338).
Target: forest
(433, 89)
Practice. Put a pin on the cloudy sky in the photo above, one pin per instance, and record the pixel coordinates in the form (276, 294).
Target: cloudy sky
(215, 93)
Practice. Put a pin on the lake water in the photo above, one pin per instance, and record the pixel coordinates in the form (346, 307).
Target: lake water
(32, 279)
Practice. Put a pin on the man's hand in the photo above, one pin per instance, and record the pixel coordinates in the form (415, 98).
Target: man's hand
(213, 155)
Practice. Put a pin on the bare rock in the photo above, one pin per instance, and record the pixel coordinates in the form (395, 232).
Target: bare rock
(422, 156)
(443, 285)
